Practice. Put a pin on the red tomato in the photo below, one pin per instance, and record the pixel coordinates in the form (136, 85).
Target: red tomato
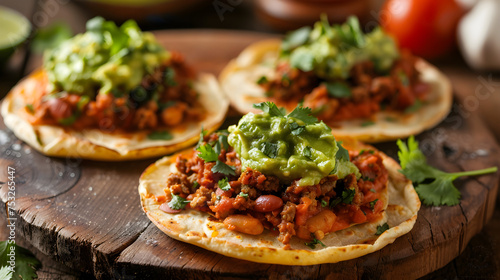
(426, 27)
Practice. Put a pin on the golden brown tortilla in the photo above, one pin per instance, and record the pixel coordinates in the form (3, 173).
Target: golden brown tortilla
(97, 144)
(238, 81)
(195, 227)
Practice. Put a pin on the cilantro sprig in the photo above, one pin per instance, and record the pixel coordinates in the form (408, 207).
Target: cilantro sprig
(314, 242)
(441, 190)
(178, 202)
(301, 113)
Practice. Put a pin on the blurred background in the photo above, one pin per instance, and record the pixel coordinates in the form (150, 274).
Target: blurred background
(459, 36)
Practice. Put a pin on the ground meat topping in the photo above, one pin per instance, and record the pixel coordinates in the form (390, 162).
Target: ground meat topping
(285, 207)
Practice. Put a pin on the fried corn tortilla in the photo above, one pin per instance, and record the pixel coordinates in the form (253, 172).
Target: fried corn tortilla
(200, 229)
(98, 144)
(238, 81)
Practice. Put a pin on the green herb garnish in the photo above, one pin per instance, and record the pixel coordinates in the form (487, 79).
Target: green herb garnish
(441, 190)
(381, 229)
(178, 202)
(160, 135)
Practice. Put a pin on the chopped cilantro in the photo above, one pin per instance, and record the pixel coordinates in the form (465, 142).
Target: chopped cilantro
(372, 203)
(270, 149)
(262, 80)
(367, 123)
(338, 90)
(224, 184)
(381, 229)
(371, 152)
(342, 153)
(441, 190)
(242, 194)
(68, 121)
(413, 108)
(324, 203)
(368, 179)
(296, 128)
(169, 75)
(307, 152)
(314, 242)
(346, 197)
(160, 135)
(196, 185)
(285, 80)
(178, 202)
(30, 108)
(403, 78)
(221, 167)
(207, 153)
(391, 119)
(373, 190)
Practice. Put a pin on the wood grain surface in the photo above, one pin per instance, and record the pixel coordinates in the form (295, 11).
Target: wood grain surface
(87, 214)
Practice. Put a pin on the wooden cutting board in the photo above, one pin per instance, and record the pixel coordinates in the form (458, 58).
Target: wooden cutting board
(87, 214)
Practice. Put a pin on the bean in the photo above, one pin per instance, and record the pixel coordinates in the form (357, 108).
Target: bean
(267, 203)
(322, 221)
(243, 223)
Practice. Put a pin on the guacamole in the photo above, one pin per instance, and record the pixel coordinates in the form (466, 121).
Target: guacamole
(103, 58)
(331, 51)
(287, 147)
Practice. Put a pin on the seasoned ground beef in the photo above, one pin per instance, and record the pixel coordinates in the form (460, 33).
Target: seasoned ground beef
(282, 206)
(370, 90)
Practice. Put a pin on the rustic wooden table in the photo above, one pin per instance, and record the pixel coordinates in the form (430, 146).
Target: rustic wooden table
(478, 94)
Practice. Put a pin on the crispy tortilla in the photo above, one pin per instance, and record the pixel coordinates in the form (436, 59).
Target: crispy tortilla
(97, 144)
(197, 228)
(238, 81)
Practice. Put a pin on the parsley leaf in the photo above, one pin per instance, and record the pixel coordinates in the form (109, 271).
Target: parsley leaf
(441, 190)
(160, 135)
(224, 184)
(381, 229)
(221, 167)
(270, 108)
(207, 153)
(270, 149)
(178, 202)
(26, 263)
(338, 89)
(303, 114)
(372, 203)
(342, 153)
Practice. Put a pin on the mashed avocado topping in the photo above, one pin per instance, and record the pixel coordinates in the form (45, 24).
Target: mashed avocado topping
(105, 57)
(290, 147)
(331, 51)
